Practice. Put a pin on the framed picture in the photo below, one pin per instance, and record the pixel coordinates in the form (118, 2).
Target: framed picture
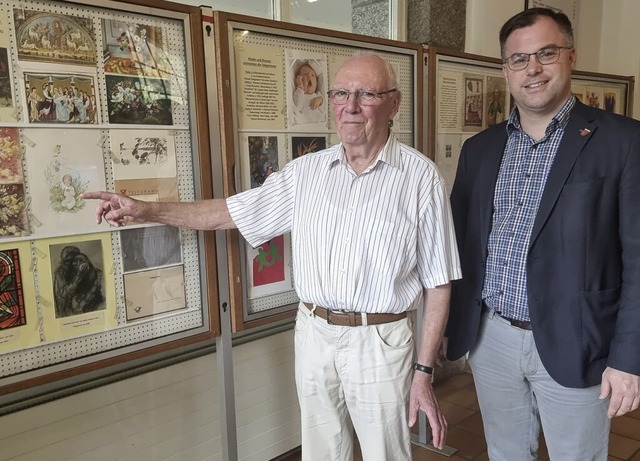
(277, 111)
(77, 297)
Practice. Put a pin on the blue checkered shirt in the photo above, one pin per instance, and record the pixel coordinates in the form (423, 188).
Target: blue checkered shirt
(521, 180)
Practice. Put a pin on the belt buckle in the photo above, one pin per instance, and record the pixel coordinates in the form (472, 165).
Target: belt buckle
(349, 316)
(331, 312)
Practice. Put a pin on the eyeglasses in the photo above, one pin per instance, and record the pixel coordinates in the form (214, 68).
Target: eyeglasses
(363, 97)
(548, 55)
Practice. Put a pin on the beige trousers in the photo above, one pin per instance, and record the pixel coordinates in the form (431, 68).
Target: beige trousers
(353, 378)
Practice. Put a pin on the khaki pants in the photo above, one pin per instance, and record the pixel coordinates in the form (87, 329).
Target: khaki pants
(353, 378)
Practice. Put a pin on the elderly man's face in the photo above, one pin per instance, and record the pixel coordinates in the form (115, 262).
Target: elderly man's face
(358, 124)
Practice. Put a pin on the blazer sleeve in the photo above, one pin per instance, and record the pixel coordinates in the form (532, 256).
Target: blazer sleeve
(624, 351)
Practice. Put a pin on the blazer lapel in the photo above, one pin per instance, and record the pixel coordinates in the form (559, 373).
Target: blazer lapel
(577, 133)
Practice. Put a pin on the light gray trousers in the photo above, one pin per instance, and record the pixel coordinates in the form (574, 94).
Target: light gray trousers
(516, 395)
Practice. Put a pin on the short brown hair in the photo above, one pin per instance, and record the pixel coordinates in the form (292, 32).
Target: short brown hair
(528, 17)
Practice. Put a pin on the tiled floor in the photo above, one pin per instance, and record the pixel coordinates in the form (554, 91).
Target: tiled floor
(458, 400)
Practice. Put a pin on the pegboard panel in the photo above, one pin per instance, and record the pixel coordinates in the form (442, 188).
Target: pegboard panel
(60, 46)
(403, 64)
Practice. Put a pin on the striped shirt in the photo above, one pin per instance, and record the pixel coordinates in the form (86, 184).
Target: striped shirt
(365, 243)
(521, 181)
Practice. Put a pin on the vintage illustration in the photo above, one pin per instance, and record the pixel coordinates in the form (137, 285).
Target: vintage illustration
(65, 187)
(496, 109)
(60, 98)
(10, 156)
(154, 292)
(78, 276)
(13, 211)
(60, 172)
(594, 97)
(306, 90)
(473, 102)
(263, 158)
(149, 247)
(134, 49)
(139, 100)
(302, 145)
(18, 313)
(76, 284)
(613, 101)
(54, 37)
(6, 93)
(12, 309)
(143, 154)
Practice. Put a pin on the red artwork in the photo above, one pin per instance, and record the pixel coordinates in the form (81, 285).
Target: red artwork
(268, 265)
(12, 310)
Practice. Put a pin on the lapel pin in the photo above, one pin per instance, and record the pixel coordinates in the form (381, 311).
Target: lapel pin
(585, 132)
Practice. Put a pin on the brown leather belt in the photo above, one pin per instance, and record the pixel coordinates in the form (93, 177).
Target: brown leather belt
(352, 319)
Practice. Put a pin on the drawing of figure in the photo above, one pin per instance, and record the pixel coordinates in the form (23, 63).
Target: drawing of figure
(46, 107)
(263, 154)
(274, 252)
(61, 100)
(33, 100)
(77, 284)
(495, 113)
(262, 259)
(69, 192)
(306, 97)
(610, 102)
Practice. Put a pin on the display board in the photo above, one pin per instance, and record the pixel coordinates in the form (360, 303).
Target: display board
(470, 94)
(99, 97)
(268, 120)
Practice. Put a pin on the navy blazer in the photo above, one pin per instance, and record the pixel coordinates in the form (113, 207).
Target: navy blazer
(583, 262)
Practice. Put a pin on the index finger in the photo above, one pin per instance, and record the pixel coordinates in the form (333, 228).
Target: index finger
(99, 195)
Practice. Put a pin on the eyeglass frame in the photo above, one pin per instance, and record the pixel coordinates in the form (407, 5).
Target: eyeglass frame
(377, 96)
(536, 54)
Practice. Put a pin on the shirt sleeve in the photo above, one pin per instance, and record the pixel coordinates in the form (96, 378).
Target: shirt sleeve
(438, 260)
(265, 212)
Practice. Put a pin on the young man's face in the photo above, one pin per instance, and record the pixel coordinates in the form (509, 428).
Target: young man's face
(539, 90)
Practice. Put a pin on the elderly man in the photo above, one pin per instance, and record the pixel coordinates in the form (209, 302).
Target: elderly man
(372, 240)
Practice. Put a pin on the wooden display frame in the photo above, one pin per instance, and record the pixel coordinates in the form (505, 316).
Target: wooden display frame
(284, 42)
(444, 144)
(140, 335)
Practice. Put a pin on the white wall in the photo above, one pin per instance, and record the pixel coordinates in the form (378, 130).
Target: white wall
(170, 414)
(619, 43)
(607, 34)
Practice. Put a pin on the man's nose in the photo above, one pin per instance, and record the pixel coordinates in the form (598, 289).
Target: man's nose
(534, 66)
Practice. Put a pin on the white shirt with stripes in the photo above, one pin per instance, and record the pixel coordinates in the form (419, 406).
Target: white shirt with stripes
(364, 243)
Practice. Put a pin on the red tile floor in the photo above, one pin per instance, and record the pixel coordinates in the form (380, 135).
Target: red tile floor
(458, 400)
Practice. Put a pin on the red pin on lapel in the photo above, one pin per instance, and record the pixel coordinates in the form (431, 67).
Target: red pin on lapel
(585, 132)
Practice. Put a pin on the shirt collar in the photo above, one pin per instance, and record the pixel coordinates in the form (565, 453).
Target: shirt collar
(559, 120)
(389, 154)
